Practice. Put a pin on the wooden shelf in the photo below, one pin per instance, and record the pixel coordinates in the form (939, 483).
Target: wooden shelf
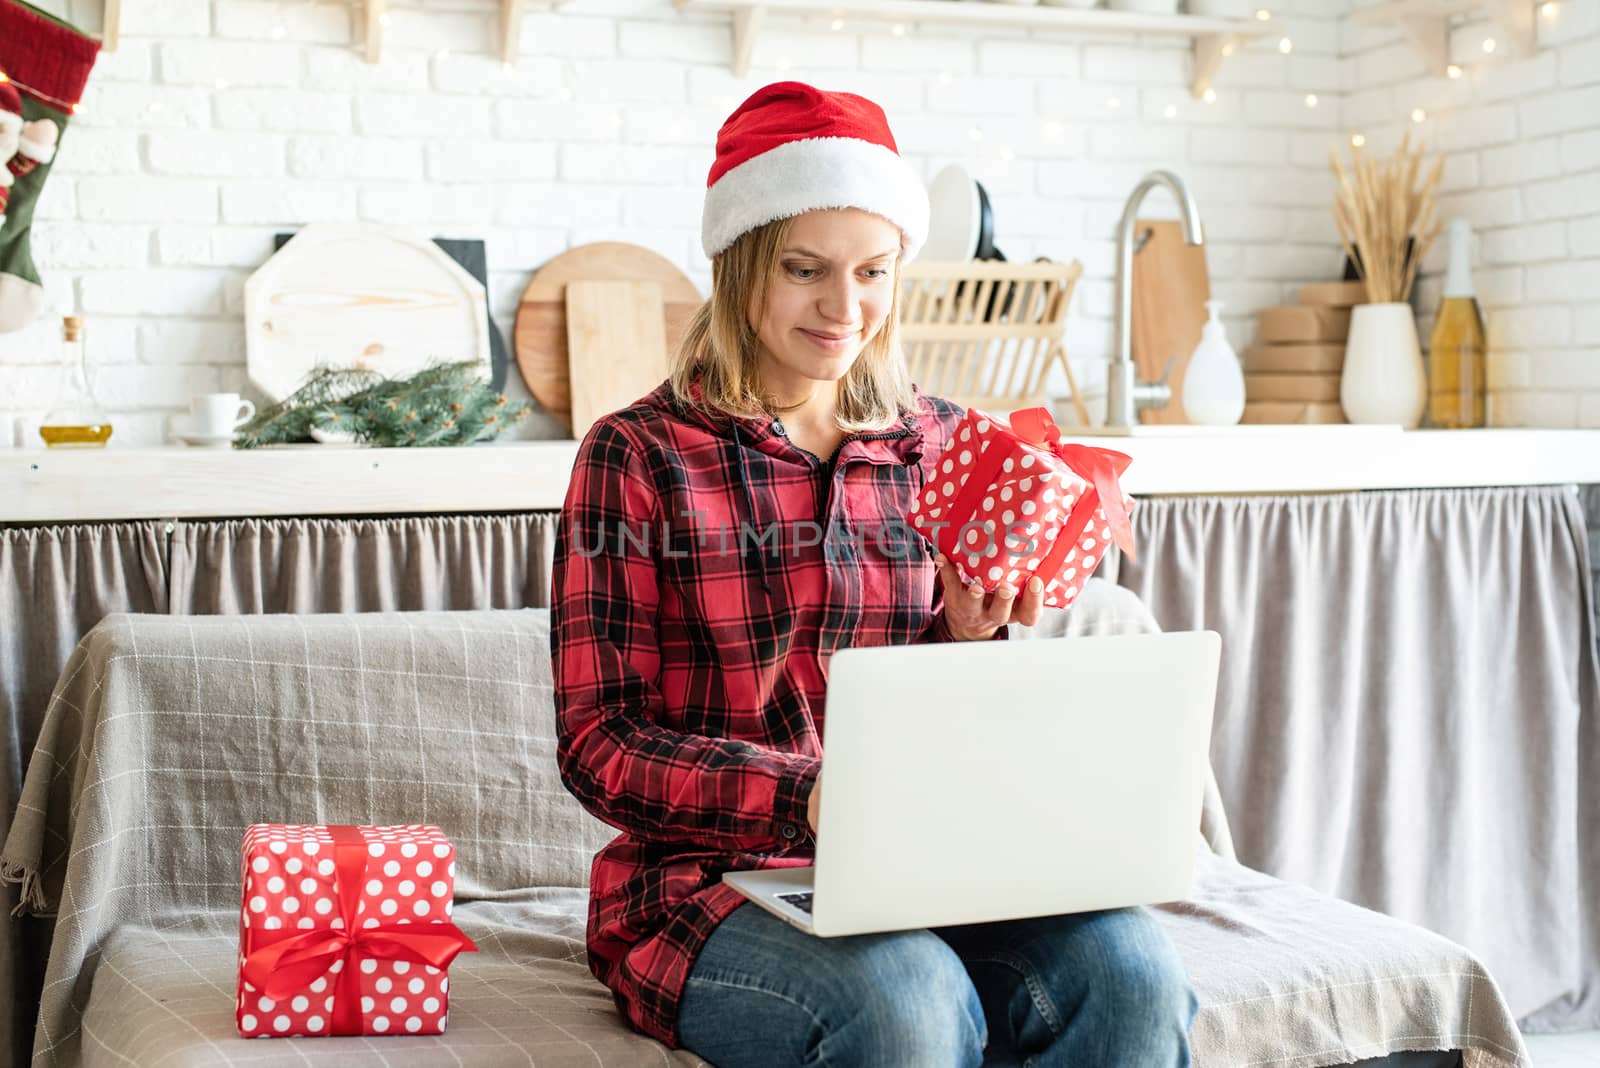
(1427, 25)
(511, 14)
(110, 25)
(1214, 39)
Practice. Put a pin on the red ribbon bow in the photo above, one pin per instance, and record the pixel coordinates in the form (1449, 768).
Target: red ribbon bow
(284, 962)
(1098, 467)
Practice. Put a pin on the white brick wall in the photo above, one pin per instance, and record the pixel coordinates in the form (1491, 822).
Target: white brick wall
(1524, 136)
(216, 125)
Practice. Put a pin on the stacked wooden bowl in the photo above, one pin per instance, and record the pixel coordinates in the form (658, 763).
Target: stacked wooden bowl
(1291, 375)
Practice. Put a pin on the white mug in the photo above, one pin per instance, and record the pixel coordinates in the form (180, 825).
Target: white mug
(219, 414)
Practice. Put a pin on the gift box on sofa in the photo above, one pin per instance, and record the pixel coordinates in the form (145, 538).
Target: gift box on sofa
(1010, 500)
(346, 930)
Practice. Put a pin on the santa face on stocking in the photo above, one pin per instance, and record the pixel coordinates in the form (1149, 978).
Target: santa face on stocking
(23, 145)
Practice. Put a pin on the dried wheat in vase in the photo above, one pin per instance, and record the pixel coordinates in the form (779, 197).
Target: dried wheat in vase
(1387, 220)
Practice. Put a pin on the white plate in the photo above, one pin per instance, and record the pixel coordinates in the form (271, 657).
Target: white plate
(1147, 7)
(381, 298)
(956, 217)
(206, 441)
(1226, 9)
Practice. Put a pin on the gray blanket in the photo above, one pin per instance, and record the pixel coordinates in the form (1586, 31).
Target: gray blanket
(1410, 715)
(168, 736)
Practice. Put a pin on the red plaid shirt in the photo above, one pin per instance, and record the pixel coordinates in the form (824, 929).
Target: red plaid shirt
(690, 680)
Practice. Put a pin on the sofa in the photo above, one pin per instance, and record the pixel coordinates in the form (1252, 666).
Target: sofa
(167, 736)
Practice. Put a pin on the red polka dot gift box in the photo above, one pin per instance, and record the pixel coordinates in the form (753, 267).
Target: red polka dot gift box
(346, 931)
(1009, 500)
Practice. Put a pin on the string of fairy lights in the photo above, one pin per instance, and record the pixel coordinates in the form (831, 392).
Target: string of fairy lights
(71, 106)
(1548, 9)
(1052, 130)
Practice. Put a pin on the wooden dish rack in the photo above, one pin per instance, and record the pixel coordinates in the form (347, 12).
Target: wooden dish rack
(984, 334)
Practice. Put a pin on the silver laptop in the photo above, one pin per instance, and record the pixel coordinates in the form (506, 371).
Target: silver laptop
(966, 782)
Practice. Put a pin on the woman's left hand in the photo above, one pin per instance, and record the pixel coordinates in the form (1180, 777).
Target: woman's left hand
(970, 615)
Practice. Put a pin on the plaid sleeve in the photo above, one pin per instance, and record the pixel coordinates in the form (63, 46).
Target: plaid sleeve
(614, 755)
(935, 631)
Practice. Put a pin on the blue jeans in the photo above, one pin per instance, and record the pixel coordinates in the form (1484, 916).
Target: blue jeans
(1092, 990)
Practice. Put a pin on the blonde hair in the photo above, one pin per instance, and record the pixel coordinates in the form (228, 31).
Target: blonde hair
(721, 346)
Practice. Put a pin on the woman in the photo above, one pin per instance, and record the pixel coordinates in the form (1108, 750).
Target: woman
(721, 538)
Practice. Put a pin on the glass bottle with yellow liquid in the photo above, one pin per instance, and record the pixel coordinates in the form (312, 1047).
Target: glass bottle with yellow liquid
(1457, 353)
(76, 418)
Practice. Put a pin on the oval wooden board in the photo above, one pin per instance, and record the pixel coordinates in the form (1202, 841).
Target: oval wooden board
(540, 337)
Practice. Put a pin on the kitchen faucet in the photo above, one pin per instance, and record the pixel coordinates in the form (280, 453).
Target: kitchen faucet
(1125, 394)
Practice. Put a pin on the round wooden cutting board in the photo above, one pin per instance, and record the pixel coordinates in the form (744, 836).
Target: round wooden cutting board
(539, 340)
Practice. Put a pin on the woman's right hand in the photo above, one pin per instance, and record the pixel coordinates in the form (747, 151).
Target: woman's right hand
(814, 803)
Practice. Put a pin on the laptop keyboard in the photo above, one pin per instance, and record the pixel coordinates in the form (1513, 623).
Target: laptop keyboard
(799, 901)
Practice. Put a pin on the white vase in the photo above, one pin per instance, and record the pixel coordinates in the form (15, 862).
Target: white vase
(1383, 380)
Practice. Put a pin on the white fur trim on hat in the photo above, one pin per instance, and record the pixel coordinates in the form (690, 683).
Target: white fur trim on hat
(10, 122)
(819, 172)
(35, 151)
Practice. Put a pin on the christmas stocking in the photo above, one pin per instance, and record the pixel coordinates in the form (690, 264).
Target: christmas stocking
(44, 64)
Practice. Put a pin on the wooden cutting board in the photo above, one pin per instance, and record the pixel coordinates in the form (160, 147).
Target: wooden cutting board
(378, 298)
(471, 254)
(617, 345)
(539, 340)
(1171, 285)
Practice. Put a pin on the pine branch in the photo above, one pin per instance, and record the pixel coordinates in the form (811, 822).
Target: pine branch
(443, 404)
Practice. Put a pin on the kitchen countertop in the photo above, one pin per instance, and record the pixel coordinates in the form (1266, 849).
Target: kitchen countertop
(45, 485)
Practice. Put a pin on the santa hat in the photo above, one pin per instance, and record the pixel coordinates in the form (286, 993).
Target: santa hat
(792, 148)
